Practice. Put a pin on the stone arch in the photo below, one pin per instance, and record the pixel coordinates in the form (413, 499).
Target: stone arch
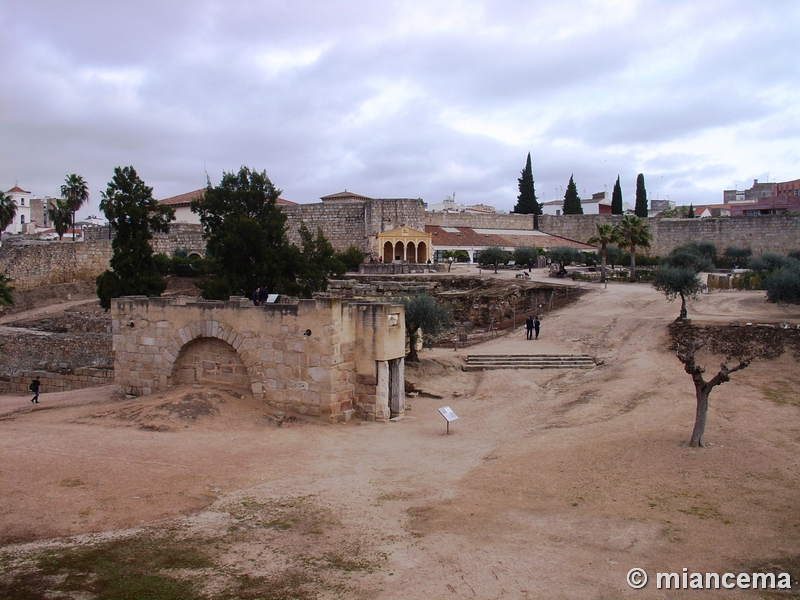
(243, 368)
(411, 252)
(388, 252)
(399, 252)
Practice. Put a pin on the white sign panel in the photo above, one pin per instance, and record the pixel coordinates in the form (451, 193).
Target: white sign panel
(448, 414)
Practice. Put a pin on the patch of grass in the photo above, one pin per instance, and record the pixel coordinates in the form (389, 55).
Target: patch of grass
(782, 394)
(120, 569)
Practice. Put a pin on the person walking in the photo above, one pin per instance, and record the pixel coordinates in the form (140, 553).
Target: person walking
(529, 327)
(34, 387)
(536, 326)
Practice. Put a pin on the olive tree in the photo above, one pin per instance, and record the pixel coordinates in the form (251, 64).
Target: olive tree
(493, 255)
(423, 313)
(703, 388)
(677, 281)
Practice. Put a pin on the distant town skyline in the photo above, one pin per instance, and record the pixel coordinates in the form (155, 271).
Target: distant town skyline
(409, 99)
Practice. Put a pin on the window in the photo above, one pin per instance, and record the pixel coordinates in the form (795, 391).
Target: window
(22, 219)
(22, 201)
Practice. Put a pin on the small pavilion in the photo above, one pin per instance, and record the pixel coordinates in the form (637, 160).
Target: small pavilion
(405, 244)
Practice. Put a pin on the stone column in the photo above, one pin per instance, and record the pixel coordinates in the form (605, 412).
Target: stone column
(397, 401)
(382, 392)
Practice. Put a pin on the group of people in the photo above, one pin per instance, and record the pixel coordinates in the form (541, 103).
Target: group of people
(260, 296)
(532, 325)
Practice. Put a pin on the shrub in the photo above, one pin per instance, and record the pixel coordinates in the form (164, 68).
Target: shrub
(784, 286)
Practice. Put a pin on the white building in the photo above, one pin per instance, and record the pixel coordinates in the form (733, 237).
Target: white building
(22, 220)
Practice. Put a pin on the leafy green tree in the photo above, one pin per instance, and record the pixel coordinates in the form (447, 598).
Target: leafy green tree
(493, 255)
(526, 201)
(736, 256)
(633, 233)
(677, 281)
(784, 285)
(689, 256)
(572, 202)
(526, 255)
(318, 262)
(6, 291)
(60, 216)
(640, 209)
(615, 256)
(616, 199)
(8, 210)
(769, 262)
(606, 235)
(422, 312)
(76, 193)
(245, 235)
(351, 258)
(134, 215)
(563, 256)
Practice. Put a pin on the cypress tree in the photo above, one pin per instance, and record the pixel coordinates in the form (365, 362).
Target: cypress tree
(572, 202)
(526, 201)
(616, 199)
(640, 210)
(690, 214)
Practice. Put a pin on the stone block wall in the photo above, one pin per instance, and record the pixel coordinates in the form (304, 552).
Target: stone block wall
(31, 263)
(56, 382)
(187, 236)
(305, 357)
(341, 222)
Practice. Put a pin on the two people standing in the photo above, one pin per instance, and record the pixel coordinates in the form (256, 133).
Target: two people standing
(532, 326)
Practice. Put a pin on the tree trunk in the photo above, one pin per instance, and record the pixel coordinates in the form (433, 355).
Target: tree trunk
(633, 264)
(683, 308)
(412, 348)
(700, 417)
(603, 265)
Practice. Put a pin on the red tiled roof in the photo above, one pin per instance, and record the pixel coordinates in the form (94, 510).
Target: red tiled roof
(185, 199)
(17, 190)
(467, 237)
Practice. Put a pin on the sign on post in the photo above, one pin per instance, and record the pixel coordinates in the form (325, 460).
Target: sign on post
(448, 415)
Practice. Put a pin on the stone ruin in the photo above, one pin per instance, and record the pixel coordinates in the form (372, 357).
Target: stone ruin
(328, 358)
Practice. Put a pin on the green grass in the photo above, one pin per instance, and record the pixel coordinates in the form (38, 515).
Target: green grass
(131, 568)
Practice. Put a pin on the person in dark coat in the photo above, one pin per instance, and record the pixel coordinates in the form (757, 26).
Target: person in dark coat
(536, 326)
(529, 327)
(34, 387)
(255, 296)
(262, 294)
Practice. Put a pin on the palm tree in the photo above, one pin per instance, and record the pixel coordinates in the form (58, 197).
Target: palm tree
(6, 291)
(8, 210)
(59, 215)
(634, 233)
(76, 193)
(606, 234)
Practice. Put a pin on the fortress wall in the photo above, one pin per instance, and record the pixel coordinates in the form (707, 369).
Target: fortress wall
(342, 223)
(762, 233)
(32, 264)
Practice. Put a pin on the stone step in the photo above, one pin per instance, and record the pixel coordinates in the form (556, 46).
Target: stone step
(476, 362)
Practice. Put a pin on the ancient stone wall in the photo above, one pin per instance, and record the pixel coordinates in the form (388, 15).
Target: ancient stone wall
(763, 233)
(181, 236)
(341, 222)
(31, 263)
(82, 378)
(316, 357)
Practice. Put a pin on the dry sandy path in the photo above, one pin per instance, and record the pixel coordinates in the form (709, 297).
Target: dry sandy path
(553, 484)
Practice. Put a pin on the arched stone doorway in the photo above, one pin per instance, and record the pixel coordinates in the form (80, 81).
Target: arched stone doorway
(422, 252)
(399, 252)
(209, 360)
(388, 253)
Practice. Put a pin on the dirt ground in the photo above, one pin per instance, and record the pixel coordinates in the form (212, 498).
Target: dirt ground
(552, 484)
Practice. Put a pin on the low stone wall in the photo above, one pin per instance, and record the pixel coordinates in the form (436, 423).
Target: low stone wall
(56, 382)
(30, 263)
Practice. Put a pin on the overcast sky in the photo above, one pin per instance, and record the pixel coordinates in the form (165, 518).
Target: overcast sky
(402, 99)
